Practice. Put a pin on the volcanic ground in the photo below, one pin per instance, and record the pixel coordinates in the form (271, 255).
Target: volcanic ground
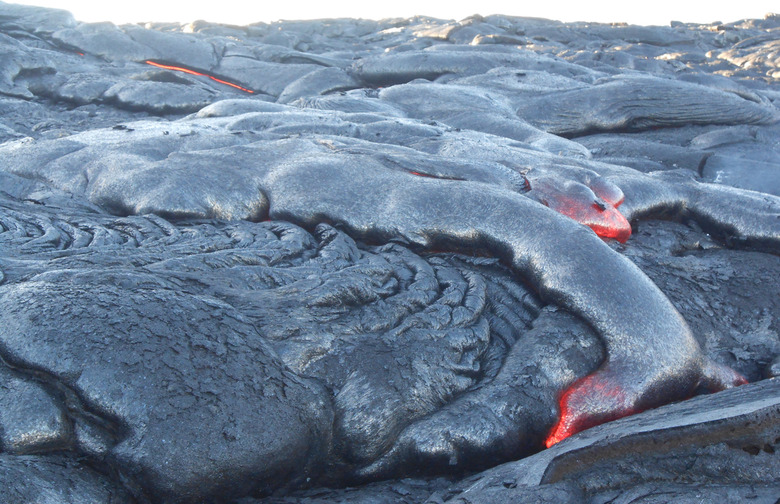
(389, 261)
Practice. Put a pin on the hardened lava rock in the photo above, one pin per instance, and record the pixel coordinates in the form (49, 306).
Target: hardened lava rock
(157, 382)
(351, 260)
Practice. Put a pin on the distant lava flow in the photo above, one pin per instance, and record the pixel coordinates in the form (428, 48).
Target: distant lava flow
(195, 72)
(428, 175)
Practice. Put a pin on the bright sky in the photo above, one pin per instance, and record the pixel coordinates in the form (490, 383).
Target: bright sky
(658, 12)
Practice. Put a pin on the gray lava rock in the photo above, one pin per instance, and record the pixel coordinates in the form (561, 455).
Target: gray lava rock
(105, 40)
(158, 97)
(54, 479)
(305, 261)
(269, 78)
(173, 47)
(197, 406)
(696, 273)
(319, 82)
(31, 420)
(37, 20)
(642, 103)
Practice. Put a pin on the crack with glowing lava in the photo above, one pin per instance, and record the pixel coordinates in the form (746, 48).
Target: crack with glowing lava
(178, 68)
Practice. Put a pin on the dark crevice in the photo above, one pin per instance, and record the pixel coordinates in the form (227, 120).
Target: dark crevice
(80, 417)
(66, 395)
(394, 80)
(629, 128)
(703, 163)
(75, 406)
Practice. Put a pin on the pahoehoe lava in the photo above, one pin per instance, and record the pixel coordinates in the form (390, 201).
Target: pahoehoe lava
(239, 261)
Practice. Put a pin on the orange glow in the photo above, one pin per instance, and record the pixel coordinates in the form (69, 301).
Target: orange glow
(594, 205)
(596, 399)
(606, 221)
(201, 74)
(560, 430)
(613, 225)
(573, 407)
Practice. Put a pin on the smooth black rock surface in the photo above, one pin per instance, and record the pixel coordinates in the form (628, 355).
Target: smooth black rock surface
(345, 260)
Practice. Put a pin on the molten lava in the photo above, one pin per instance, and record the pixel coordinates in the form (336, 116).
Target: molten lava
(582, 407)
(599, 398)
(593, 205)
(195, 72)
(605, 220)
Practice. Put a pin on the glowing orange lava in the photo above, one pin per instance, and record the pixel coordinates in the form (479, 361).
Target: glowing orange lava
(597, 398)
(195, 72)
(605, 220)
(578, 399)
